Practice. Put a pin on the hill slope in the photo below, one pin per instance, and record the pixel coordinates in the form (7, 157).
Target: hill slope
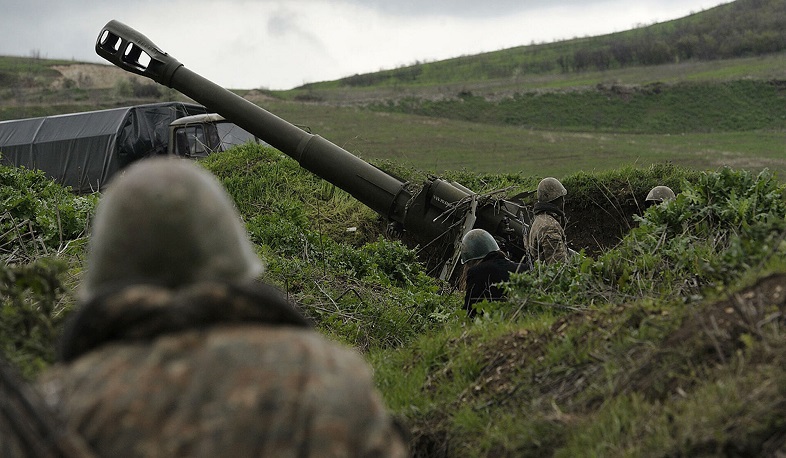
(741, 28)
(664, 337)
(509, 111)
(668, 340)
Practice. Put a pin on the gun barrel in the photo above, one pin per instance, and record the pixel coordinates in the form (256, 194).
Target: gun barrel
(132, 51)
(436, 212)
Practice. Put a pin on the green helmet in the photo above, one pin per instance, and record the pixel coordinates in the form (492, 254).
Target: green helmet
(167, 222)
(660, 194)
(550, 189)
(476, 244)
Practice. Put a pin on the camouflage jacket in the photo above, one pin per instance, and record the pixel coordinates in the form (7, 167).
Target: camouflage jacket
(28, 428)
(546, 241)
(213, 370)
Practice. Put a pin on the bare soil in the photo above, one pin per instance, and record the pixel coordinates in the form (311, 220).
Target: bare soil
(93, 76)
(596, 229)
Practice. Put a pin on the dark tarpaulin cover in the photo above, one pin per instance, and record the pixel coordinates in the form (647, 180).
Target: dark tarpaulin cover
(83, 150)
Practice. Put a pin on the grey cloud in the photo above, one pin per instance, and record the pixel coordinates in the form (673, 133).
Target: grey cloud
(460, 8)
(285, 23)
(480, 9)
(281, 23)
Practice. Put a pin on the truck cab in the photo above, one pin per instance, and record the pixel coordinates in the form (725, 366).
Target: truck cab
(199, 135)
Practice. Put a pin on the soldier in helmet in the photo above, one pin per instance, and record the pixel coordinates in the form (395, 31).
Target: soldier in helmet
(178, 350)
(546, 239)
(485, 266)
(659, 194)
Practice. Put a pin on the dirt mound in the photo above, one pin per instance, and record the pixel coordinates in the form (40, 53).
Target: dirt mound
(690, 349)
(93, 76)
(596, 229)
(707, 335)
(713, 335)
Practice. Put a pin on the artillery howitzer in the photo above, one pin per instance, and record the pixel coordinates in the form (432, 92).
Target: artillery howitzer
(437, 215)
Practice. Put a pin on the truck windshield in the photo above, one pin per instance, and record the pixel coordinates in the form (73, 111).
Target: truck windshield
(232, 135)
(190, 141)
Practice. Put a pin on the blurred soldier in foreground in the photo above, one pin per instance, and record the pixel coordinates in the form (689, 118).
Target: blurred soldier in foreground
(546, 240)
(178, 351)
(485, 265)
(28, 427)
(659, 194)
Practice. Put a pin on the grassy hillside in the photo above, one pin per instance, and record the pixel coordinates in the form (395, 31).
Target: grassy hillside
(685, 107)
(32, 87)
(741, 28)
(664, 337)
(702, 111)
(443, 144)
(666, 340)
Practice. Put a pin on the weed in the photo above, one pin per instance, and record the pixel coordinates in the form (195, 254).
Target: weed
(43, 228)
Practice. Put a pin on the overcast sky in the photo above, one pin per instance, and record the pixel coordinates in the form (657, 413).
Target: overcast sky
(281, 44)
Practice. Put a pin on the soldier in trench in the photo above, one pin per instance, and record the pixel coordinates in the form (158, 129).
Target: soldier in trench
(659, 194)
(178, 349)
(485, 267)
(546, 239)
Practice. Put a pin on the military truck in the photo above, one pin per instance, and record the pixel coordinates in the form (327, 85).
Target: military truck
(199, 135)
(84, 150)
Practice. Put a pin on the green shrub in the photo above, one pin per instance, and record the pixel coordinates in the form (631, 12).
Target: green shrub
(31, 312)
(354, 285)
(718, 228)
(38, 216)
(725, 106)
(43, 229)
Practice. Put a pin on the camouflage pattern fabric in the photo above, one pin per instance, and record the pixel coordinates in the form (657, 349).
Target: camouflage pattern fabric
(546, 241)
(214, 370)
(143, 312)
(28, 428)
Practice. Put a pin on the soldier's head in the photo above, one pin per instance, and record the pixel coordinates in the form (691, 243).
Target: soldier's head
(550, 190)
(659, 194)
(170, 223)
(476, 244)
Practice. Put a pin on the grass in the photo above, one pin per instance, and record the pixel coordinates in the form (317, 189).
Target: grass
(13, 69)
(640, 372)
(438, 144)
(666, 339)
(591, 363)
(738, 29)
(599, 383)
(763, 68)
(681, 108)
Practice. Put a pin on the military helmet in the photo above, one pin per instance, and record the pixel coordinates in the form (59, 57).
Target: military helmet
(660, 194)
(550, 189)
(476, 244)
(170, 223)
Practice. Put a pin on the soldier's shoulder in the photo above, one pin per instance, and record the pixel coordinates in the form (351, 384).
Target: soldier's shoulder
(544, 221)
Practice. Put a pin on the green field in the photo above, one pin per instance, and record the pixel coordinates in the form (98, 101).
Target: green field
(439, 144)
